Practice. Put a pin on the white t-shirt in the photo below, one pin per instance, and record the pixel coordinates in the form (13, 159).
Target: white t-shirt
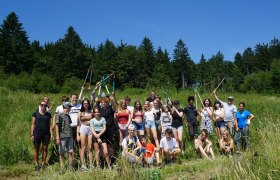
(229, 111)
(59, 110)
(149, 115)
(74, 114)
(130, 108)
(171, 144)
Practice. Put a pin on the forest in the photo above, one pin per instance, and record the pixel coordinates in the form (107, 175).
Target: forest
(61, 66)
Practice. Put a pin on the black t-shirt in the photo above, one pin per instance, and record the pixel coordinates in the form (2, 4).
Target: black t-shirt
(191, 114)
(150, 99)
(177, 121)
(108, 114)
(42, 123)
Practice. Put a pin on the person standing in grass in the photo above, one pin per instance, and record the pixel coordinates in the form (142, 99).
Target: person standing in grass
(226, 143)
(219, 122)
(150, 125)
(169, 146)
(41, 133)
(85, 135)
(59, 109)
(206, 114)
(137, 118)
(191, 114)
(165, 120)
(158, 111)
(177, 123)
(230, 113)
(203, 145)
(243, 119)
(124, 118)
(64, 138)
(98, 129)
(75, 109)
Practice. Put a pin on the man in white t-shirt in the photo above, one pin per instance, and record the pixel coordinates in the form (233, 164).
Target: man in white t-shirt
(132, 148)
(75, 109)
(169, 146)
(230, 113)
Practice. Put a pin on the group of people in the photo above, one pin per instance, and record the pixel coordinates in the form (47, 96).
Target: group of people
(150, 134)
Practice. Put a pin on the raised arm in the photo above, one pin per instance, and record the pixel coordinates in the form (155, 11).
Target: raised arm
(81, 93)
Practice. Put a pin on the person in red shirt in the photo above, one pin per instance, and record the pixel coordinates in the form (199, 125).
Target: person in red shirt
(152, 153)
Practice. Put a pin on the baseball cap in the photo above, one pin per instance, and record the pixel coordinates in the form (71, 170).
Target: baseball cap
(230, 97)
(131, 127)
(66, 105)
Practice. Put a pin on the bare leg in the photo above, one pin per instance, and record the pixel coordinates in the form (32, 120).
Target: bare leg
(61, 159)
(90, 149)
(180, 138)
(106, 155)
(44, 154)
(154, 131)
(97, 151)
(148, 130)
(36, 154)
(83, 148)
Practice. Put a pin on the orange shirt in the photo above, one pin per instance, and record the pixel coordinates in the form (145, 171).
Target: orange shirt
(150, 149)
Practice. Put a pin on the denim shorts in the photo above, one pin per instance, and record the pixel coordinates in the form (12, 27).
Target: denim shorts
(138, 126)
(150, 124)
(220, 124)
(66, 144)
(85, 129)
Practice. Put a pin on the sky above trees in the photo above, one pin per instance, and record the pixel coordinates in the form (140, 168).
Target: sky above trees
(205, 26)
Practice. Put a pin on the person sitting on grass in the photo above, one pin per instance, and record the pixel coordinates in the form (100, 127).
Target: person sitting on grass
(169, 146)
(151, 152)
(203, 146)
(64, 137)
(98, 129)
(226, 143)
(132, 148)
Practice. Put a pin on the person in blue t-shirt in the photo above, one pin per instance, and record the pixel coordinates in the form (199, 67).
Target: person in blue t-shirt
(243, 119)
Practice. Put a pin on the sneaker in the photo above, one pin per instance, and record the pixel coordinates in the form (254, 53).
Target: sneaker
(91, 167)
(37, 168)
(62, 171)
(83, 168)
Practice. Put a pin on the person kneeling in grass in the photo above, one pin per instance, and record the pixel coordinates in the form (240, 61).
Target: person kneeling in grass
(203, 146)
(64, 136)
(169, 146)
(132, 148)
(151, 152)
(226, 143)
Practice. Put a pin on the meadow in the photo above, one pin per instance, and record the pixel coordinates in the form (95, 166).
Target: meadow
(261, 161)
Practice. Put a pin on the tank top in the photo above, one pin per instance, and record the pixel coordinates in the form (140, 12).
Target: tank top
(219, 113)
(123, 117)
(138, 115)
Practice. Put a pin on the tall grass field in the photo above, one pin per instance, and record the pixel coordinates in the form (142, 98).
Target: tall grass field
(261, 161)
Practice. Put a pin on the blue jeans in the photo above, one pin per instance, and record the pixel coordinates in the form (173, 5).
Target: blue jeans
(242, 135)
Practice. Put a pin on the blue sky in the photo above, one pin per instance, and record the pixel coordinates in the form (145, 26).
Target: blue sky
(205, 26)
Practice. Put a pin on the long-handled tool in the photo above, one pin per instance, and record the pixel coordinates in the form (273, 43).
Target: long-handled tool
(218, 86)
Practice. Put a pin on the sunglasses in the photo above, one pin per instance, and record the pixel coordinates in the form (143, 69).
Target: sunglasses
(74, 100)
(43, 105)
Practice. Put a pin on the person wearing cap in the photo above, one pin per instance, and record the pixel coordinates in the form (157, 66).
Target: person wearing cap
(132, 148)
(191, 114)
(41, 133)
(230, 112)
(243, 119)
(169, 146)
(177, 123)
(64, 138)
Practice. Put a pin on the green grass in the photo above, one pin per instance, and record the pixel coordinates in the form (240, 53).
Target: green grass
(260, 162)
